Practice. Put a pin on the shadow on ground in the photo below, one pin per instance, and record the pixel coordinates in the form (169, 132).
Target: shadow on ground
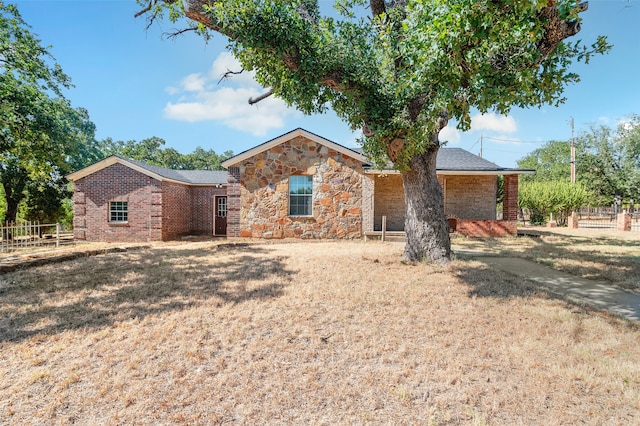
(559, 251)
(487, 282)
(99, 291)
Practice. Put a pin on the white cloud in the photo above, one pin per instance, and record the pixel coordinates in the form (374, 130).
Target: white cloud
(449, 134)
(201, 98)
(494, 123)
(194, 82)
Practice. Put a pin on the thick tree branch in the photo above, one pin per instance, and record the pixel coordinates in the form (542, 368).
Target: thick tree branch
(196, 10)
(377, 7)
(556, 29)
(257, 99)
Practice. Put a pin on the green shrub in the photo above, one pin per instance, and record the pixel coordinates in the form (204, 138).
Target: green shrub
(547, 198)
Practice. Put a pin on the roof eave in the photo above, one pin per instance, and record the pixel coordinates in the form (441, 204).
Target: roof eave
(114, 159)
(286, 137)
(463, 172)
(109, 161)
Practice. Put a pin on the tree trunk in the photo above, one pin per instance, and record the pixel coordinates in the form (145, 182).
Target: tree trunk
(425, 223)
(12, 210)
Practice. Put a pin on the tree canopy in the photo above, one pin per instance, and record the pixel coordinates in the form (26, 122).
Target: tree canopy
(151, 151)
(607, 161)
(400, 70)
(40, 128)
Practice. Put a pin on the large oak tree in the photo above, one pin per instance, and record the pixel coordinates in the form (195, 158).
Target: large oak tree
(400, 70)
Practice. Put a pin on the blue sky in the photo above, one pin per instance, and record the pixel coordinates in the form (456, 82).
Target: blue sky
(135, 83)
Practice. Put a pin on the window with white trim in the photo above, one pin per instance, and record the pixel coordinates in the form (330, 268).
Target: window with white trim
(300, 195)
(118, 211)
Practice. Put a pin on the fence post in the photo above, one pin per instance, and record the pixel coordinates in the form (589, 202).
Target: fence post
(384, 228)
(573, 220)
(57, 235)
(624, 222)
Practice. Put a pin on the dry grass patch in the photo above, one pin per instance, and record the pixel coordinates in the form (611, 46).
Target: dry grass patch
(612, 257)
(305, 333)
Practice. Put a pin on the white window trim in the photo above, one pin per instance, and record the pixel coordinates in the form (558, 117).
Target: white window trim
(112, 211)
(289, 194)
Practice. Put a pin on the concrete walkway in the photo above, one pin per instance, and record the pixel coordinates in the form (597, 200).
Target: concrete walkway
(597, 294)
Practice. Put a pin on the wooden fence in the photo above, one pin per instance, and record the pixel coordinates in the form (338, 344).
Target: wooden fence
(25, 235)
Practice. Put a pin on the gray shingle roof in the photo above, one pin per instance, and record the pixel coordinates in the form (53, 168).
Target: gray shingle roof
(197, 177)
(460, 159)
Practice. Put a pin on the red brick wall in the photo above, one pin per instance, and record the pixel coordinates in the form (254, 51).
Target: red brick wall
(486, 228)
(470, 197)
(176, 210)
(388, 201)
(510, 198)
(202, 208)
(93, 193)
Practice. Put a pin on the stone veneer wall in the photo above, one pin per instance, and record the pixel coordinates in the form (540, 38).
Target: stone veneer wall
(264, 192)
(91, 198)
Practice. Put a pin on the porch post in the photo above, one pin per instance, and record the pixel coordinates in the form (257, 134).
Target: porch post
(367, 202)
(510, 198)
(233, 202)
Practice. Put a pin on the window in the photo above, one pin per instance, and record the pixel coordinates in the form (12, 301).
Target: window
(118, 211)
(221, 210)
(300, 195)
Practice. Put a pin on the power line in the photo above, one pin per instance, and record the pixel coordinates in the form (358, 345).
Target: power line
(517, 140)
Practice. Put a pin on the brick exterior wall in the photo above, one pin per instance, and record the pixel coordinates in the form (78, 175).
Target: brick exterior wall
(389, 201)
(470, 196)
(202, 208)
(486, 228)
(510, 198)
(93, 193)
(264, 198)
(176, 210)
(156, 210)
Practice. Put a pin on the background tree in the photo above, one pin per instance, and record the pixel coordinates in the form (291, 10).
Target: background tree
(40, 129)
(401, 72)
(151, 151)
(552, 162)
(607, 162)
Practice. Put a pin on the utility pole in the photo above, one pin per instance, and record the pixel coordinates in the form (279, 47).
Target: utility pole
(573, 156)
(481, 136)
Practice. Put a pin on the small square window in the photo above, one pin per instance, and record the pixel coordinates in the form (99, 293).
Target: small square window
(118, 211)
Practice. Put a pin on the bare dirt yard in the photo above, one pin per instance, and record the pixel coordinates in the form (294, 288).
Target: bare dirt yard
(303, 333)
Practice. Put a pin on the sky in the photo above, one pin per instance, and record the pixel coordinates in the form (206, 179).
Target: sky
(138, 83)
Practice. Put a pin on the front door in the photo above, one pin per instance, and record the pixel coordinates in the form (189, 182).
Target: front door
(220, 215)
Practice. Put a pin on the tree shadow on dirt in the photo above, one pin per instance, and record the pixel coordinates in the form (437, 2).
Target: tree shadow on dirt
(558, 251)
(101, 290)
(488, 282)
